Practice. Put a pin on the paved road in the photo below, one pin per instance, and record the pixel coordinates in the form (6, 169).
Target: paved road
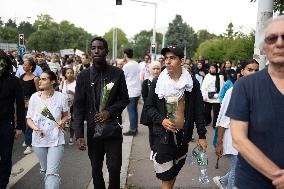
(75, 167)
(141, 172)
(137, 169)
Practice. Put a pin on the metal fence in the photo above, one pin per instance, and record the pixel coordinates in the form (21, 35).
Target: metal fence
(8, 46)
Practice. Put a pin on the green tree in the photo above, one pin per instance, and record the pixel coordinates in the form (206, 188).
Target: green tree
(278, 6)
(1, 22)
(44, 21)
(11, 23)
(204, 35)
(181, 34)
(9, 34)
(26, 28)
(220, 50)
(122, 42)
(142, 43)
(51, 36)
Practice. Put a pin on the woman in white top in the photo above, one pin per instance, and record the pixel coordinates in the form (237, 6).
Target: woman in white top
(224, 142)
(210, 89)
(47, 114)
(67, 87)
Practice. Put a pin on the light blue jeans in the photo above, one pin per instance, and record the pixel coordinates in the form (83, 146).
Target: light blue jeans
(49, 160)
(229, 179)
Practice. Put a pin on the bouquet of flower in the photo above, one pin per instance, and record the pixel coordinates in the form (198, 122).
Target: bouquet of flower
(171, 106)
(46, 113)
(105, 95)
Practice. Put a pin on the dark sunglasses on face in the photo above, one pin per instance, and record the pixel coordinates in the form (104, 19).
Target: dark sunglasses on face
(271, 39)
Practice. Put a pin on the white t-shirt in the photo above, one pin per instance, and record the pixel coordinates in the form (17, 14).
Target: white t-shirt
(57, 104)
(145, 72)
(64, 86)
(224, 121)
(131, 72)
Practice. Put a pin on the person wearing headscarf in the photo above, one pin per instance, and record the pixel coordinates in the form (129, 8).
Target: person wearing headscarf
(155, 70)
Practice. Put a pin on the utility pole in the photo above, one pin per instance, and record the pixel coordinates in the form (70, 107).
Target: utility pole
(265, 12)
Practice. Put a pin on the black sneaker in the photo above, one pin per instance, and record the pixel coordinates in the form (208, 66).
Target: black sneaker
(130, 133)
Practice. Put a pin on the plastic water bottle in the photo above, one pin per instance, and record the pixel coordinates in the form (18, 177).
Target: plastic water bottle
(191, 157)
(202, 162)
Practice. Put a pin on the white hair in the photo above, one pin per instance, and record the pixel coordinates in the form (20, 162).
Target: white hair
(264, 30)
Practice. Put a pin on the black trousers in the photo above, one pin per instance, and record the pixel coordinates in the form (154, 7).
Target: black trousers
(7, 134)
(113, 150)
(207, 114)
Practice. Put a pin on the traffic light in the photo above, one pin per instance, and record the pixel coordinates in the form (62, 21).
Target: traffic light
(21, 39)
(118, 2)
(153, 48)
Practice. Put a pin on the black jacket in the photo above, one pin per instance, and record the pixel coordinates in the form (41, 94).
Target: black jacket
(145, 119)
(83, 100)
(10, 93)
(194, 110)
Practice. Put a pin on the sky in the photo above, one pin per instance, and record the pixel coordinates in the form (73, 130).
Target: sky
(99, 16)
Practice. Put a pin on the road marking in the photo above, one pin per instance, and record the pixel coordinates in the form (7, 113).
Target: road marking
(21, 168)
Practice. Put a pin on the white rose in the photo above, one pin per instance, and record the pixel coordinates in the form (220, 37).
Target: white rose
(172, 99)
(109, 86)
(42, 108)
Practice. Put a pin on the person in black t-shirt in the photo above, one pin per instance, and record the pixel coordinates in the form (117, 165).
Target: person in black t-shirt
(10, 94)
(227, 71)
(256, 110)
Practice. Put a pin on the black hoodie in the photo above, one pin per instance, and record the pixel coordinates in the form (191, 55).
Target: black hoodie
(11, 93)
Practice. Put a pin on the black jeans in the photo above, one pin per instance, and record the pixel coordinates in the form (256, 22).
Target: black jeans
(207, 114)
(113, 150)
(7, 134)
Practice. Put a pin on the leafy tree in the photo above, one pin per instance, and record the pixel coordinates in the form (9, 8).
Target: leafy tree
(230, 31)
(9, 34)
(181, 34)
(142, 43)
(11, 23)
(278, 6)
(122, 41)
(204, 35)
(44, 21)
(220, 50)
(1, 22)
(51, 36)
(26, 28)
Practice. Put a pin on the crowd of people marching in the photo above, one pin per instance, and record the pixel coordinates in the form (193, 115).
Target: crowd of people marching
(54, 94)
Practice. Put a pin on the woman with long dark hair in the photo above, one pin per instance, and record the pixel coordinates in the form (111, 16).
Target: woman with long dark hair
(46, 116)
(30, 85)
(210, 89)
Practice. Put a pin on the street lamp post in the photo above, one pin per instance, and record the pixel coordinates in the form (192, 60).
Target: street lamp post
(154, 27)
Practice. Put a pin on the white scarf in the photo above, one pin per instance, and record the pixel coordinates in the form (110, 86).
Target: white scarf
(167, 87)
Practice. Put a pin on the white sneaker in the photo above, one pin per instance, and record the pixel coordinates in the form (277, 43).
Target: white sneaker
(216, 180)
(28, 150)
(24, 144)
(70, 141)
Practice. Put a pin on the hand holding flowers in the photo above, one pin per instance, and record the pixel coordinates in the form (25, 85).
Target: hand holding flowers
(171, 106)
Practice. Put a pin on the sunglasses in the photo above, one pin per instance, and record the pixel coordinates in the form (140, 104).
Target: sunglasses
(271, 39)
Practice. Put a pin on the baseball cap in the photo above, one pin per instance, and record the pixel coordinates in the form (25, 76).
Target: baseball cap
(174, 49)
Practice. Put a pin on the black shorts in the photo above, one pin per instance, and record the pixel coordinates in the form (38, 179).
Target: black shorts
(169, 159)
